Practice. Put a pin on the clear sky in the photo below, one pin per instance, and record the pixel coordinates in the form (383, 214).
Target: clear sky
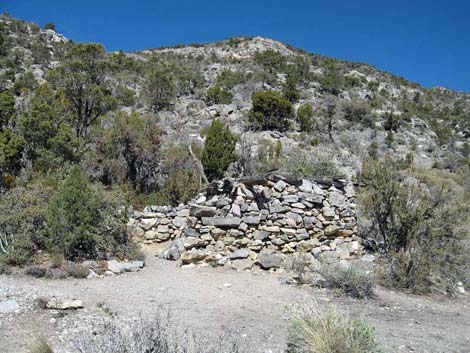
(425, 41)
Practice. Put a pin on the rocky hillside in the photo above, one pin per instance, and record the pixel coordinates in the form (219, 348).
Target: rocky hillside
(356, 109)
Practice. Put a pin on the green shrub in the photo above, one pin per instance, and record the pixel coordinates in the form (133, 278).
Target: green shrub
(229, 79)
(290, 91)
(315, 331)
(219, 150)
(50, 26)
(218, 95)
(22, 215)
(180, 187)
(270, 111)
(420, 223)
(305, 118)
(351, 280)
(357, 112)
(304, 165)
(271, 60)
(160, 89)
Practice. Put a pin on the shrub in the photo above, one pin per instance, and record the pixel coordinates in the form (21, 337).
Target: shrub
(314, 331)
(304, 165)
(357, 112)
(301, 265)
(160, 89)
(153, 334)
(36, 271)
(219, 150)
(22, 215)
(180, 187)
(40, 345)
(49, 25)
(270, 111)
(218, 95)
(290, 91)
(305, 118)
(420, 224)
(229, 79)
(351, 280)
(72, 217)
(271, 60)
(76, 270)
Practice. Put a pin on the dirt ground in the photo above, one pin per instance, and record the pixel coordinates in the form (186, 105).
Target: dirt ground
(255, 305)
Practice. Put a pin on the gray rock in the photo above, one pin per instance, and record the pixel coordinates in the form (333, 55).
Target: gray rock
(280, 185)
(290, 198)
(261, 235)
(240, 254)
(252, 220)
(180, 222)
(336, 199)
(193, 256)
(173, 250)
(226, 222)
(114, 266)
(242, 265)
(183, 213)
(301, 235)
(306, 186)
(268, 260)
(236, 210)
(202, 211)
(8, 306)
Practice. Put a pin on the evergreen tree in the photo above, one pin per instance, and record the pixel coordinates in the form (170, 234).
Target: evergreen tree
(82, 79)
(49, 138)
(73, 216)
(219, 150)
(270, 111)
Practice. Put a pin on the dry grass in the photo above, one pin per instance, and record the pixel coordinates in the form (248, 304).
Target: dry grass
(40, 345)
(313, 330)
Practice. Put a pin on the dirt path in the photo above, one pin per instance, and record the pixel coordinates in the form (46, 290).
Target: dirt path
(215, 300)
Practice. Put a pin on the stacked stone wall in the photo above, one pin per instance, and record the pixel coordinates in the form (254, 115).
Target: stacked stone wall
(256, 222)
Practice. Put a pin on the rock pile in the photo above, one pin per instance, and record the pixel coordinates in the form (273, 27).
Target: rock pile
(256, 221)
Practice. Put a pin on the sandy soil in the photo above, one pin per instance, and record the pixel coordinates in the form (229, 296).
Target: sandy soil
(253, 304)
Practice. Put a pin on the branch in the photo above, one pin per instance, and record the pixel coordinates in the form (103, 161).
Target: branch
(199, 165)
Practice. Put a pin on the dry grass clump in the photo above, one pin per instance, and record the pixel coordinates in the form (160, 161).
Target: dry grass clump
(312, 330)
(352, 280)
(40, 345)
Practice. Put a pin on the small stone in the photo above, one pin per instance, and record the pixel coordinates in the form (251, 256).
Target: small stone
(183, 213)
(236, 212)
(280, 185)
(331, 230)
(240, 254)
(242, 265)
(261, 235)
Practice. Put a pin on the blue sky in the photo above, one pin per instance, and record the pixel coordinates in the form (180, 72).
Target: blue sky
(425, 41)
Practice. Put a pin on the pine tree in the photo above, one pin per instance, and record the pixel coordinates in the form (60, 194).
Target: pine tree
(219, 150)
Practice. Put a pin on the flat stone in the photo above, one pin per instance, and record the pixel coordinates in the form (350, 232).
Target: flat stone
(226, 222)
(308, 245)
(242, 264)
(261, 235)
(252, 220)
(183, 213)
(64, 305)
(301, 234)
(8, 306)
(290, 198)
(202, 211)
(240, 254)
(328, 212)
(272, 229)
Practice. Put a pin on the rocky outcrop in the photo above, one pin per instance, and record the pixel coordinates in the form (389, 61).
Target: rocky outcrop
(256, 221)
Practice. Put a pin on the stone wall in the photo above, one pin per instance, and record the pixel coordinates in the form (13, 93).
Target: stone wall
(256, 221)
